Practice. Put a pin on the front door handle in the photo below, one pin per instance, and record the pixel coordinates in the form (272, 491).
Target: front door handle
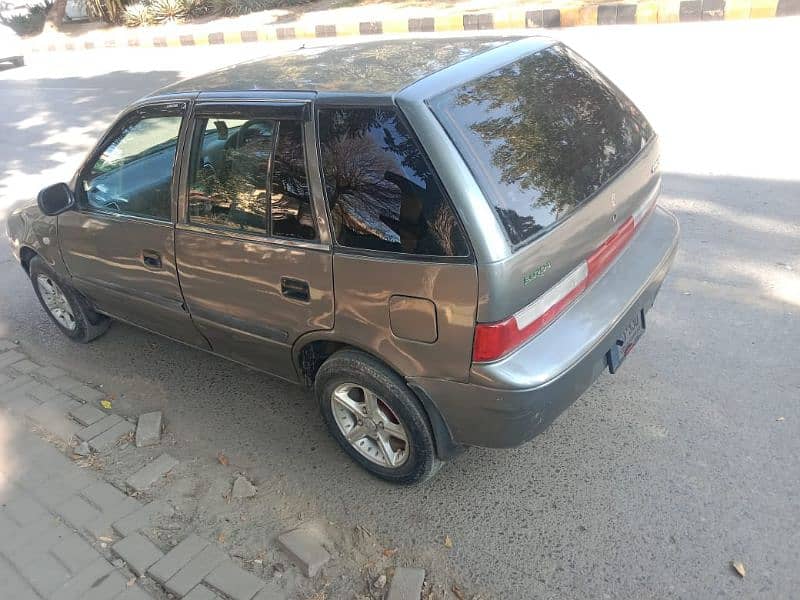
(151, 259)
(296, 289)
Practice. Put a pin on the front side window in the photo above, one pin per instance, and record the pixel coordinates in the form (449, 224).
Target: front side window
(250, 175)
(381, 191)
(133, 175)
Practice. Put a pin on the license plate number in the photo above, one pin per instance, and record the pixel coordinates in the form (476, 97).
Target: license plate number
(627, 339)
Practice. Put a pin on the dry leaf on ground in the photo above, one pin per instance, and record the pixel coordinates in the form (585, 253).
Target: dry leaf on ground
(448, 541)
(458, 592)
(106, 404)
(738, 566)
(223, 460)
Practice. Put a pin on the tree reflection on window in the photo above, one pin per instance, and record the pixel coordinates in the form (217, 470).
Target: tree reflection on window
(382, 193)
(542, 135)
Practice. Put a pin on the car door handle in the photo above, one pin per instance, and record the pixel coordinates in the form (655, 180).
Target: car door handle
(151, 259)
(296, 289)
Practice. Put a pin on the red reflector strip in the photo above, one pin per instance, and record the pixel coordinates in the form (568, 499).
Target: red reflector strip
(493, 341)
(599, 260)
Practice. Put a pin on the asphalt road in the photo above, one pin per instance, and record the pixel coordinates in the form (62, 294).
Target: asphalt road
(657, 477)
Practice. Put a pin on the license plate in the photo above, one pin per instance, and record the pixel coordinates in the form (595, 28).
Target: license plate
(631, 333)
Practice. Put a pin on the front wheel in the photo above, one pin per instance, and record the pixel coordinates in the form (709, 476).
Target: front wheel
(376, 419)
(67, 308)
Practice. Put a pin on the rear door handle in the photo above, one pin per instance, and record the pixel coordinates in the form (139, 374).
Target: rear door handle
(151, 259)
(296, 289)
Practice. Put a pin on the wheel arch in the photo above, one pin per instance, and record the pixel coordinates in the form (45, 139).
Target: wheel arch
(26, 254)
(310, 353)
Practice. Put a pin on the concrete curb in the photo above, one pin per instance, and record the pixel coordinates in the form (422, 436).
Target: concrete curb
(644, 12)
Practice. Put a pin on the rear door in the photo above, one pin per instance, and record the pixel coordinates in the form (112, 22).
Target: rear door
(118, 244)
(255, 270)
(406, 281)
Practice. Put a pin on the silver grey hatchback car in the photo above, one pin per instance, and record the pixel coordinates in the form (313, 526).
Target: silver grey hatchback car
(448, 240)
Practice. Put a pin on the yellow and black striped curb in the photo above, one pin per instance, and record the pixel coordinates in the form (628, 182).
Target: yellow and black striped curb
(643, 12)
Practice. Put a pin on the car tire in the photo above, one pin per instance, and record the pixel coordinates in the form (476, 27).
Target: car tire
(356, 376)
(73, 314)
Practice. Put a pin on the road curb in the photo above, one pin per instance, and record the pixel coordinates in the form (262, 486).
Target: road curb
(645, 12)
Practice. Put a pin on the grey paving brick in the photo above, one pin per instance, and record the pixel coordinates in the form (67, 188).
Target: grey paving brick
(139, 552)
(4, 379)
(25, 510)
(106, 440)
(86, 393)
(201, 592)
(9, 357)
(270, 592)
(21, 405)
(148, 429)
(98, 427)
(108, 589)
(134, 593)
(14, 535)
(195, 570)
(13, 585)
(34, 547)
(53, 491)
(52, 416)
(86, 414)
(45, 575)
(305, 549)
(50, 372)
(177, 558)
(74, 552)
(25, 366)
(151, 472)
(104, 495)
(233, 581)
(44, 392)
(113, 505)
(142, 517)
(77, 512)
(406, 584)
(65, 383)
(85, 580)
(16, 383)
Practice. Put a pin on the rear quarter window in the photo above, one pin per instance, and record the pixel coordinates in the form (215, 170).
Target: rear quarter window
(382, 192)
(541, 135)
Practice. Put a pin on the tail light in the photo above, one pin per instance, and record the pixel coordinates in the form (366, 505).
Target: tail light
(495, 340)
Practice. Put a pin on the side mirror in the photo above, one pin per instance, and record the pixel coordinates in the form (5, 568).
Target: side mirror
(55, 199)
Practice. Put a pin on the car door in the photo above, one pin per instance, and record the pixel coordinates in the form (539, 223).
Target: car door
(118, 244)
(254, 263)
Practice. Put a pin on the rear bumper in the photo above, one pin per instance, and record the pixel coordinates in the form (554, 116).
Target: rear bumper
(508, 402)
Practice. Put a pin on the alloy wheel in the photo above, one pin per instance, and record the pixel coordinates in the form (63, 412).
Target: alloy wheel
(369, 425)
(56, 302)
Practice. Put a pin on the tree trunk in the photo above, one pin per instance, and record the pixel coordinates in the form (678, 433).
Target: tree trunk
(55, 16)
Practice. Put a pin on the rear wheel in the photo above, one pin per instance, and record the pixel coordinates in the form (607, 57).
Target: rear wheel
(376, 418)
(18, 61)
(67, 308)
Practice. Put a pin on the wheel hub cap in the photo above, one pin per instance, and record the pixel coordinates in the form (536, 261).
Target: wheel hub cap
(56, 302)
(369, 425)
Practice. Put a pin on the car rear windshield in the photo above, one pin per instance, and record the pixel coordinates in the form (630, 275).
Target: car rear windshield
(541, 135)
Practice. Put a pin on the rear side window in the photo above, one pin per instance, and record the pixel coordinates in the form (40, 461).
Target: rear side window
(381, 191)
(249, 175)
(542, 135)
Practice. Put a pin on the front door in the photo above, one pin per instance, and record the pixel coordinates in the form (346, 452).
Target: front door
(119, 243)
(254, 269)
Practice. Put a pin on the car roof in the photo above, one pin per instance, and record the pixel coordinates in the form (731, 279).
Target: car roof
(372, 68)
